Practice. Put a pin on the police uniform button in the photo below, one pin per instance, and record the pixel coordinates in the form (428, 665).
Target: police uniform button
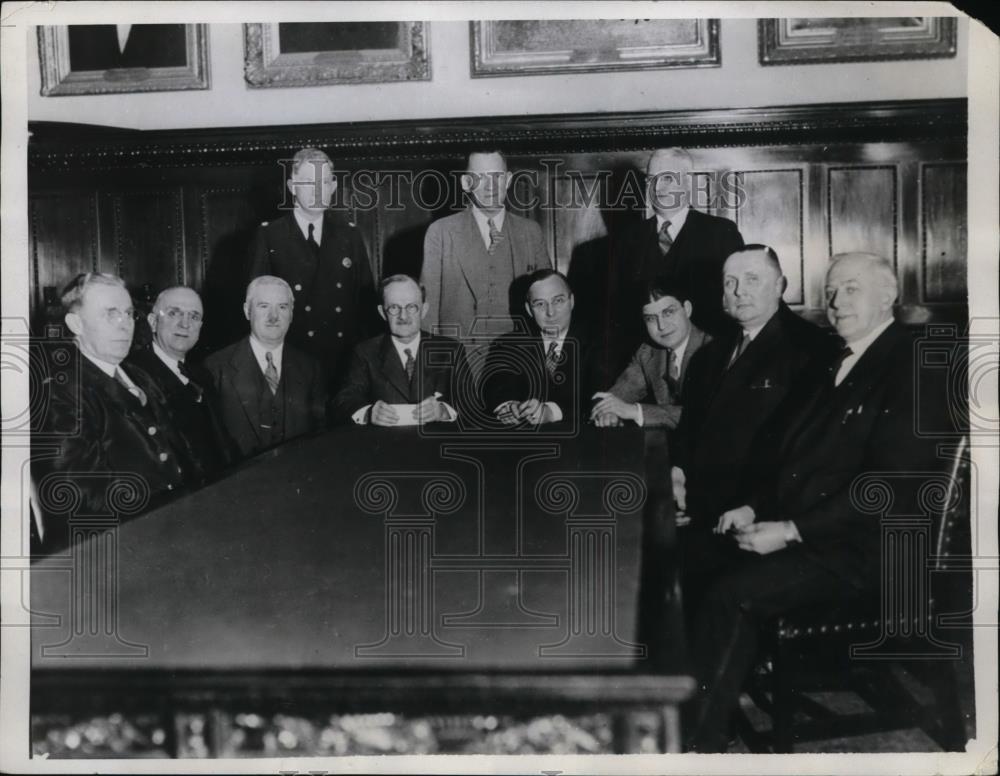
(308, 309)
(347, 262)
(340, 334)
(336, 309)
(310, 334)
(298, 286)
(170, 487)
(340, 285)
(263, 223)
(163, 456)
(151, 430)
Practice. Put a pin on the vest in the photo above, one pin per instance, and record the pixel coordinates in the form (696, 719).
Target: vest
(493, 287)
(271, 411)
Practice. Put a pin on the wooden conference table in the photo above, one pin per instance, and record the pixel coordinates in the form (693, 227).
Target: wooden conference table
(390, 570)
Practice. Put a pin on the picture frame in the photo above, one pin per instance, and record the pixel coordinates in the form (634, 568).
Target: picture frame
(357, 53)
(802, 41)
(513, 48)
(91, 59)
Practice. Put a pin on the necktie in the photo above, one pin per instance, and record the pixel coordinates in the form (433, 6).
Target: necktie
(271, 373)
(664, 238)
(836, 366)
(410, 365)
(552, 358)
(131, 387)
(495, 235)
(673, 374)
(311, 239)
(192, 386)
(740, 348)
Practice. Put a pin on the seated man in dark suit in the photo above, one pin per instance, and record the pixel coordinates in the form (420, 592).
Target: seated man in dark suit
(547, 376)
(407, 376)
(659, 367)
(801, 536)
(175, 323)
(269, 391)
(108, 422)
(738, 383)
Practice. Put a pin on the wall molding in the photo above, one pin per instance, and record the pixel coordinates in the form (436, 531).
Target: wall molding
(55, 146)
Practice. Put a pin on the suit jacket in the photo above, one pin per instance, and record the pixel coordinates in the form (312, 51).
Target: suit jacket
(454, 282)
(95, 46)
(377, 374)
(694, 261)
(728, 409)
(335, 304)
(645, 378)
(234, 379)
(515, 371)
(834, 435)
(195, 414)
(98, 438)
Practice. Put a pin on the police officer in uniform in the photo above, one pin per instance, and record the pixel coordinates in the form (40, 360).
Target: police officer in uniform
(321, 255)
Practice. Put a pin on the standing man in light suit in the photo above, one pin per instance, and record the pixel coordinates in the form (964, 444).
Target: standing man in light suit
(471, 258)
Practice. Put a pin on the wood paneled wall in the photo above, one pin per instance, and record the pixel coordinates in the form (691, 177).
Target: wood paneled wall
(180, 207)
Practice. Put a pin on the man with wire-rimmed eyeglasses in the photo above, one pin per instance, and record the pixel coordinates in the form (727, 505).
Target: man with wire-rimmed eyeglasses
(100, 427)
(407, 376)
(175, 322)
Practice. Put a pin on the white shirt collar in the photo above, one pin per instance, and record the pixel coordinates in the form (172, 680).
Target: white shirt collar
(546, 340)
(108, 368)
(411, 346)
(858, 347)
(681, 349)
(303, 221)
(676, 221)
(482, 221)
(170, 362)
(260, 350)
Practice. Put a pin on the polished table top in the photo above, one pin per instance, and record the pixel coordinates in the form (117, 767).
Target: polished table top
(378, 550)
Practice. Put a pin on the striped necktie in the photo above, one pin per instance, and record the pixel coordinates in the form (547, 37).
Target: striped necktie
(552, 358)
(411, 364)
(664, 238)
(740, 348)
(496, 236)
(271, 373)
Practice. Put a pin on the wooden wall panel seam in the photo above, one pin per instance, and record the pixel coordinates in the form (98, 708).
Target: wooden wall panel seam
(895, 203)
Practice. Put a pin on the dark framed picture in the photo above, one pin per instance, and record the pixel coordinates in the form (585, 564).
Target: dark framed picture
(314, 54)
(855, 39)
(510, 47)
(122, 58)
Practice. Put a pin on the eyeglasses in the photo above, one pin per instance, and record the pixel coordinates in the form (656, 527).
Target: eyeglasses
(115, 316)
(556, 303)
(666, 315)
(395, 310)
(176, 315)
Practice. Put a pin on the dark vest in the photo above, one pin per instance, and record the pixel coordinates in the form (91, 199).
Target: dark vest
(271, 418)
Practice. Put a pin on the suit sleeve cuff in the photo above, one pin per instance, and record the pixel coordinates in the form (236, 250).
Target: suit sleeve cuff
(361, 416)
(639, 419)
(451, 412)
(555, 411)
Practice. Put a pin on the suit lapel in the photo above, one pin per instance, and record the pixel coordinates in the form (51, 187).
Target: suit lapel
(470, 236)
(392, 368)
(244, 380)
(695, 340)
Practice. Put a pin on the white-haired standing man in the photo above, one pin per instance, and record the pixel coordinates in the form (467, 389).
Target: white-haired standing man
(269, 391)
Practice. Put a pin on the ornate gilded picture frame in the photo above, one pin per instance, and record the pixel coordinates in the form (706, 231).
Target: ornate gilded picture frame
(120, 59)
(317, 54)
(512, 47)
(801, 41)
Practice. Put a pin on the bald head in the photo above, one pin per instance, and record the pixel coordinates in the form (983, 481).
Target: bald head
(861, 289)
(668, 180)
(176, 320)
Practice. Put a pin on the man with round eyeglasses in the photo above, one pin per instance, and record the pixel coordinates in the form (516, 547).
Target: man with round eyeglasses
(107, 421)
(406, 376)
(175, 322)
